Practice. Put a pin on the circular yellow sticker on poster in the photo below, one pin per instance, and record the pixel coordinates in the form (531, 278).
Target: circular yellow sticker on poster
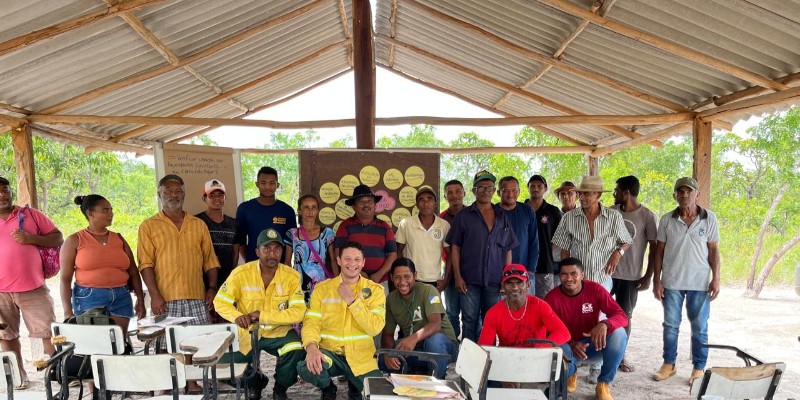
(408, 196)
(415, 176)
(370, 175)
(399, 215)
(329, 192)
(347, 184)
(336, 227)
(385, 218)
(393, 178)
(343, 211)
(415, 210)
(327, 215)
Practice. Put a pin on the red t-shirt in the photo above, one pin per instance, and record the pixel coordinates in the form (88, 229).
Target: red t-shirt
(581, 312)
(539, 322)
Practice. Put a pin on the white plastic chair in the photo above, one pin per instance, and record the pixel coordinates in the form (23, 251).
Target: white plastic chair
(524, 365)
(142, 373)
(755, 380)
(13, 377)
(472, 365)
(90, 340)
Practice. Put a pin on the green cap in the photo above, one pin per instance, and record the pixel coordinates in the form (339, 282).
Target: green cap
(686, 181)
(482, 176)
(267, 236)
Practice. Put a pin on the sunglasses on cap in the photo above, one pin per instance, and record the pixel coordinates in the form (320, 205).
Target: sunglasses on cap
(515, 272)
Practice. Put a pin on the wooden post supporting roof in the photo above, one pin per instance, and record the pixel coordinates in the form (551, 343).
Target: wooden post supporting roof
(364, 74)
(593, 168)
(22, 142)
(701, 135)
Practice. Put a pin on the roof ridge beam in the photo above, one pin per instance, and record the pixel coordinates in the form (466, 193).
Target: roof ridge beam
(149, 74)
(666, 45)
(46, 33)
(549, 60)
(749, 105)
(663, 134)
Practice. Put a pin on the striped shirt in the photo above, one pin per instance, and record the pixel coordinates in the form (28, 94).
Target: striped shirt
(376, 237)
(179, 258)
(572, 234)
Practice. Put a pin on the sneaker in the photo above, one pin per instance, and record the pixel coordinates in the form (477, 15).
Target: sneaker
(666, 371)
(279, 392)
(603, 392)
(593, 375)
(696, 373)
(572, 383)
(329, 393)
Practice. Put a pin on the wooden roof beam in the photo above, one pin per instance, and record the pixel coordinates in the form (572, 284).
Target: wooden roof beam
(743, 94)
(505, 86)
(466, 99)
(549, 60)
(46, 33)
(790, 96)
(143, 76)
(346, 31)
(666, 45)
(664, 134)
(392, 31)
(451, 150)
(89, 142)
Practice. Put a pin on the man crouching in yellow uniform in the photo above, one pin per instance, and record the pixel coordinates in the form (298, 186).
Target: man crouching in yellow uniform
(345, 314)
(268, 292)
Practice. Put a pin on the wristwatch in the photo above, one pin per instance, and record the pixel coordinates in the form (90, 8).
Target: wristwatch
(621, 251)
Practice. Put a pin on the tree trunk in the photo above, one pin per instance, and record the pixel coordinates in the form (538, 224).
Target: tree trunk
(761, 232)
(762, 277)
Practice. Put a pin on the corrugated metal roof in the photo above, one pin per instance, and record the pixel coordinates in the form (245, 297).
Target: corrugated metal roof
(467, 57)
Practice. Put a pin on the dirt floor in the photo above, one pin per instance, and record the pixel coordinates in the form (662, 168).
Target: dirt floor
(768, 328)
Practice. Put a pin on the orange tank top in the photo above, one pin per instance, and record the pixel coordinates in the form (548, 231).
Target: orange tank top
(101, 265)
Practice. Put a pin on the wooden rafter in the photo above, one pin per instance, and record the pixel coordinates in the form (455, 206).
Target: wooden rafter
(346, 30)
(742, 94)
(392, 31)
(504, 86)
(143, 76)
(753, 104)
(666, 133)
(654, 119)
(235, 91)
(451, 150)
(88, 142)
(666, 45)
(549, 60)
(66, 26)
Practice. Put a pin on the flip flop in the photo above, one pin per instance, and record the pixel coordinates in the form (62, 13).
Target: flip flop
(625, 367)
(23, 385)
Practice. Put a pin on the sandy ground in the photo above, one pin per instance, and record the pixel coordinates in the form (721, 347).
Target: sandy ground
(767, 328)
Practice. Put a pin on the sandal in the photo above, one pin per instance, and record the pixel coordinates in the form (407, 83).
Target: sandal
(625, 367)
(23, 385)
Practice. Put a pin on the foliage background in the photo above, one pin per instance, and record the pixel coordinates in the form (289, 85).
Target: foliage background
(747, 173)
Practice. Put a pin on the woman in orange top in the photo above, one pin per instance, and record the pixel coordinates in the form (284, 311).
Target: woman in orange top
(103, 266)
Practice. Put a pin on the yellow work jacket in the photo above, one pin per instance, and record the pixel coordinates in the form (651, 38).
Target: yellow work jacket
(281, 304)
(346, 330)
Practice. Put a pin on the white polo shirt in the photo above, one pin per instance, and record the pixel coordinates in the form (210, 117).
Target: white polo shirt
(685, 265)
(424, 247)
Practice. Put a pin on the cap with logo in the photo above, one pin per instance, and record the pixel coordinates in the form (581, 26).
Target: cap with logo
(515, 271)
(425, 189)
(686, 181)
(268, 236)
(482, 176)
(213, 185)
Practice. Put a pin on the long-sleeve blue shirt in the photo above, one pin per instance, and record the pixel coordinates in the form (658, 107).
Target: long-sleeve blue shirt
(523, 221)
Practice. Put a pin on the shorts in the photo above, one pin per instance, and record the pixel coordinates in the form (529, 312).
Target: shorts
(36, 307)
(117, 300)
(189, 308)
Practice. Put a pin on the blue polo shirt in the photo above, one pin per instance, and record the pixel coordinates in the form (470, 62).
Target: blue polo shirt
(483, 253)
(523, 219)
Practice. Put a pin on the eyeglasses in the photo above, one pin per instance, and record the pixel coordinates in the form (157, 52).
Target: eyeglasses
(484, 189)
(515, 272)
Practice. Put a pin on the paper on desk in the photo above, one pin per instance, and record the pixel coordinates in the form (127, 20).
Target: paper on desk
(150, 321)
(422, 386)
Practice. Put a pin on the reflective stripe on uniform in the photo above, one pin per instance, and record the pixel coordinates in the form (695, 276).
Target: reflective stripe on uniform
(224, 297)
(345, 338)
(301, 301)
(291, 346)
(314, 314)
(378, 311)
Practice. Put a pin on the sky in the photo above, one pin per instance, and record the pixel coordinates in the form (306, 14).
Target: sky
(395, 97)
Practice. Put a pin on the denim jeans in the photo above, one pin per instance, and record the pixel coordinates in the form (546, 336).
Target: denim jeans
(474, 306)
(611, 356)
(452, 301)
(698, 307)
(437, 343)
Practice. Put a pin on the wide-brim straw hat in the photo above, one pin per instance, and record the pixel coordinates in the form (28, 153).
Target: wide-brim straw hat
(590, 183)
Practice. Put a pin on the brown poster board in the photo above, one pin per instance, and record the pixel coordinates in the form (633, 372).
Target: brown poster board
(332, 174)
(198, 164)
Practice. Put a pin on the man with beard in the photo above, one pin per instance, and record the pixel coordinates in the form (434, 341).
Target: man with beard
(417, 309)
(174, 252)
(481, 240)
(420, 237)
(628, 280)
(523, 221)
(263, 212)
(268, 293)
(579, 304)
(376, 236)
(22, 284)
(344, 315)
(548, 217)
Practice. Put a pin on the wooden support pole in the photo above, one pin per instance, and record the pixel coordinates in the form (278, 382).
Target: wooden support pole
(701, 137)
(364, 74)
(592, 161)
(22, 143)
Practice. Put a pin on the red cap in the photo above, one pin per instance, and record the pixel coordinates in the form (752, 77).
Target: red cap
(517, 271)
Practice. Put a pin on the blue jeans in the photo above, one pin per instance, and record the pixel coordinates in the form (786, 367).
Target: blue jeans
(437, 343)
(474, 306)
(117, 300)
(698, 307)
(452, 301)
(611, 356)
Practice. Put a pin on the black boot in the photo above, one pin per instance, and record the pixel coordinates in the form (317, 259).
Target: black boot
(329, 393)
(256, 385)
(352, 392)
(279, 392)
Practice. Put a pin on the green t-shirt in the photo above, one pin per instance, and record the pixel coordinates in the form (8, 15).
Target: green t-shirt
(412, 315)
